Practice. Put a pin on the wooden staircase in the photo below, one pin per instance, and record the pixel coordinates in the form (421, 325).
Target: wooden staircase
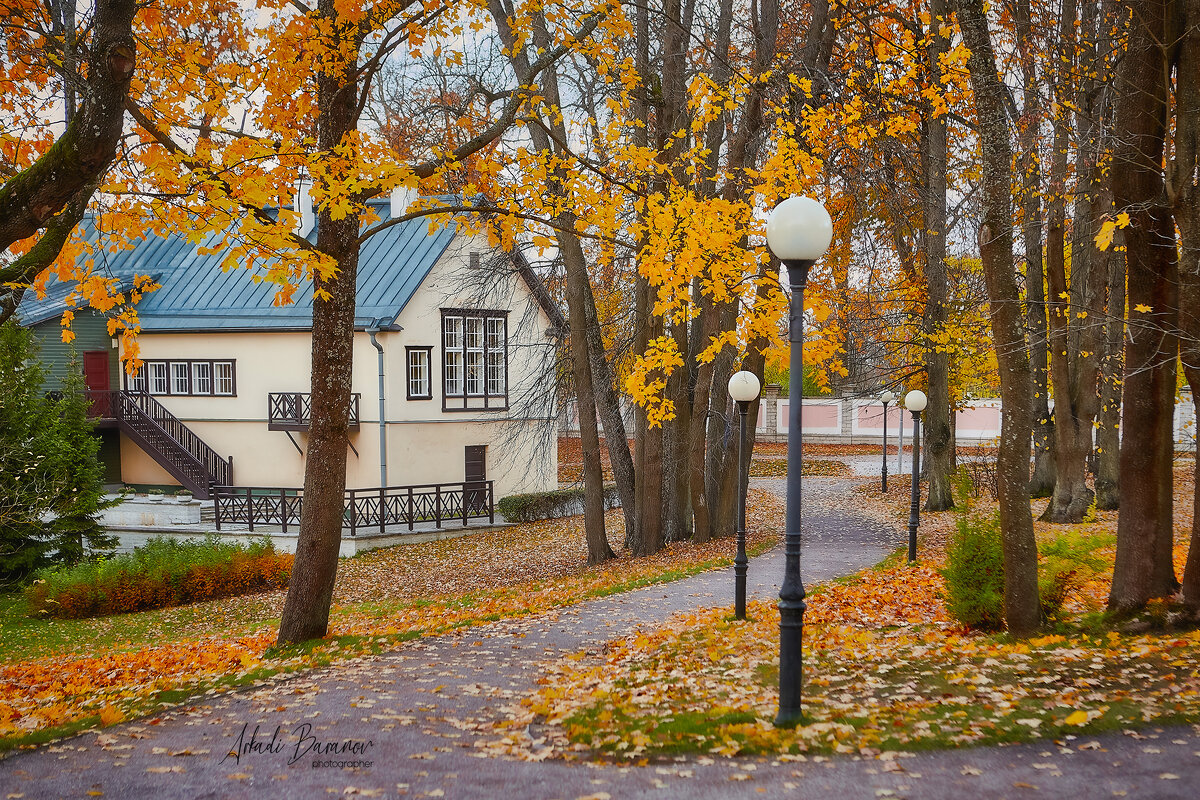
(165, 438)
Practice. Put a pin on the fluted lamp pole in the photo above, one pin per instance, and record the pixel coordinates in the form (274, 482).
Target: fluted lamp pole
(885, 397)
(915, 402)
(799, 231)
(743, 388)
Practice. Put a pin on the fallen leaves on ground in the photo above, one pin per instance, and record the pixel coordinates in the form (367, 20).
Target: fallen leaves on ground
(382, 597)
(777, 468)
(885, 669)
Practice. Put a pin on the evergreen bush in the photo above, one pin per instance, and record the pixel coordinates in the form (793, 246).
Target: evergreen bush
(51, 481)
(536, 506)
(974, 570)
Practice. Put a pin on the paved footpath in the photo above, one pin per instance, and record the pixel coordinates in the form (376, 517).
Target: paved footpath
(422, 708)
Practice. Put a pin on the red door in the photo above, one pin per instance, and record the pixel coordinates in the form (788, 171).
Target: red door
(95, 376)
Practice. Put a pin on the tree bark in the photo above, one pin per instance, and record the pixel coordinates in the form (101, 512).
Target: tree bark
(1021, 608)
(1074, 312)
(1185, 197)
(1042, 482)
(1108, 437)
(310, 590)
(608, 403)
(939, 439)
(1143, 568)
(589, 434)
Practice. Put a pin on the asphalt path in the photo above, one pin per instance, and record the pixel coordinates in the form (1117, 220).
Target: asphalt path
(417, 721)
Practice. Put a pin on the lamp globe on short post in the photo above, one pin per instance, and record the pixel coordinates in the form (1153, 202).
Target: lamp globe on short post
(799, 231)
(915, 402)
(743, 388)
(885, 397)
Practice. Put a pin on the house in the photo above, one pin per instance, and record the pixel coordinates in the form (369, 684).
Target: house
(454, 356)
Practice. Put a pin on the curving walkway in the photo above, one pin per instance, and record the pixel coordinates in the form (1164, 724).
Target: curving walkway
(420, 707)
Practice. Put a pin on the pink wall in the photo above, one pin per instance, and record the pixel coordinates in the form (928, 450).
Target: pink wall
(813, 416)
(871, 417)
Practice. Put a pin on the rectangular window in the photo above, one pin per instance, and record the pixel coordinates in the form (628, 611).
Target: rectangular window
(181, 375)
(418, 373)
(202, 377)
(475, 359)
(224, 373)
(156, 374)
(185, 377)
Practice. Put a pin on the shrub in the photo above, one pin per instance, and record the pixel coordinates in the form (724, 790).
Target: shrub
(974, 569)
(550, 505)
(162, 573)
(51, 481)
(1068, 561)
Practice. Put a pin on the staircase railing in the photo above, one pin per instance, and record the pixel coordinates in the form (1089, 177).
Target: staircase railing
(167, 440)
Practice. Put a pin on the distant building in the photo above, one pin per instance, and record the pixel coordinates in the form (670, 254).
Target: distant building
(460, 338)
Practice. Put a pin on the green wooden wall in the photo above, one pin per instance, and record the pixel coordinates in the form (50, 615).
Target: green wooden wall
(91, 333)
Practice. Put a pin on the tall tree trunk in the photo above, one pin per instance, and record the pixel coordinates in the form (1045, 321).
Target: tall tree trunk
(1073, 311)
(1185, 197)
(1021, 608)
(581, 313)
(939, 438)
(608, 403)
(648, 442)
(1108, 436)
(575, 265)
(1041, 484)
(702, 514)
(1143, 567)
(310, 590)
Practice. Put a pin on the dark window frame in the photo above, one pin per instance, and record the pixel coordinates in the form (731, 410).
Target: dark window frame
(131, 382)
(408, 351)
(462, 401)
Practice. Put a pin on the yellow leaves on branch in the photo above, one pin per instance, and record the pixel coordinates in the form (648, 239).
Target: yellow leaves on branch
(1109, 228)
(648, 379)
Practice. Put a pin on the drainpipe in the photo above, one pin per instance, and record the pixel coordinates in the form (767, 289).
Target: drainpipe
(371, 331)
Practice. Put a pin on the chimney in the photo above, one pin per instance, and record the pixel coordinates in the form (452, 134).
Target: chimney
(304, 205)
(402, 198)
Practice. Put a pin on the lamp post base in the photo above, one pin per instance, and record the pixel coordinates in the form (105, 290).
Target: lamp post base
(791, 663)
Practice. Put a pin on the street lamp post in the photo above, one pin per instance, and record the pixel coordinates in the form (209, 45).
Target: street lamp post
(915, 402)
(886, 397)
(799, 231)
(743, 388)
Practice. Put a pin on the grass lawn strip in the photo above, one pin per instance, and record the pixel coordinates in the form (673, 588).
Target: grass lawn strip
(57, 677)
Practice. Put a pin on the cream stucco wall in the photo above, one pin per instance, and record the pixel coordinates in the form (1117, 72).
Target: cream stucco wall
(425, 444)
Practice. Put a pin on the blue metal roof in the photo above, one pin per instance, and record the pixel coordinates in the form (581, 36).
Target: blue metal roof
(197, 294)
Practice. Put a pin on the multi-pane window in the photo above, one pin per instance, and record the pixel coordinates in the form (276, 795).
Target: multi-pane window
(452, 344)
(475, 359)
(418, 373)
(202, 377)
(474, 351)
(156, 374)
(497, 357)
(225, 383)
(181, 377)
(192, 377)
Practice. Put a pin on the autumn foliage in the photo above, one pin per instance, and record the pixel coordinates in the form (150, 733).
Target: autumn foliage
(164, 573)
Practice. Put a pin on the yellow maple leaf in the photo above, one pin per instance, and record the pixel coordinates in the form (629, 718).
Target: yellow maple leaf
(1076, 718)
(1142, 308)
